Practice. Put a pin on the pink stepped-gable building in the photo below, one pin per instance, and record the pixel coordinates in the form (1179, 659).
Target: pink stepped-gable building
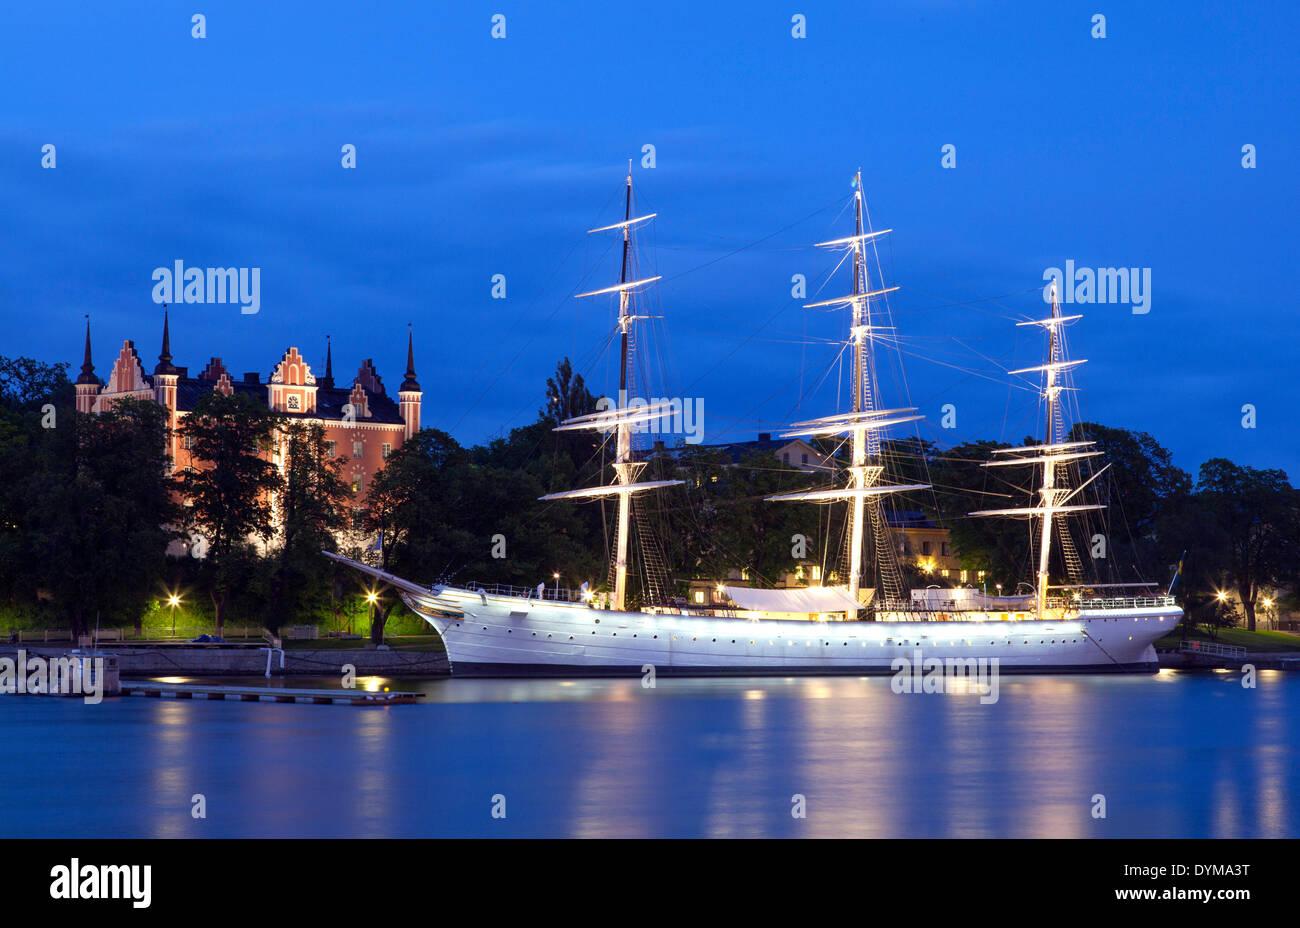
(362, 422)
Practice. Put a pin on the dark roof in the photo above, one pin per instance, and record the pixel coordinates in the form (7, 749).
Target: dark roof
(739, 450)
(329, 400)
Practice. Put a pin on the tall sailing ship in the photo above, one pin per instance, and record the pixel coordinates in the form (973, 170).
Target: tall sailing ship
(860, 627)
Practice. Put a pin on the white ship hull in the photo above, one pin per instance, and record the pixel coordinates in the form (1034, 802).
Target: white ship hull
(496, 635)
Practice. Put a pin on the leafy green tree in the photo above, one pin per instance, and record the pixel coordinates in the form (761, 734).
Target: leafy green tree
(1250, 528)
(95, 531)
(27, 384)
(227, 498)
(962, 485)
(566, 396)
(1142, 490)
(720, 517)
(312, 508)
(416, 510)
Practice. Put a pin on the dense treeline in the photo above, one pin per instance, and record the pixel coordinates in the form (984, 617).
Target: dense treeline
(89, 510)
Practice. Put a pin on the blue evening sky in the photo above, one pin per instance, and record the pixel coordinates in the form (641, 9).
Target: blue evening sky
(479, 156)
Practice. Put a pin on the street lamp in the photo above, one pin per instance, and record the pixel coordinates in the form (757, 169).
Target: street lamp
(173, 600)
(557, 586)
(371, 598)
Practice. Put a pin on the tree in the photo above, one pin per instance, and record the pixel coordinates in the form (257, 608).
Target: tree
(311, 508)
(1252, 527)
(228, 497)
(416, 510)
(1143, 491)
(26, 384)
(720, 518)
(566, 396)
(998, 546)
(93, 533)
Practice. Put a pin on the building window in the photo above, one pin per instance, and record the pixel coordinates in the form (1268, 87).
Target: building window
(188, 442)
(385, 450)
(805, 458)
(925, 548)
(331, 450)
(947, 552)
(699, 597)
(356, 484)
(816, 572)
(356, 450)
(785, 457)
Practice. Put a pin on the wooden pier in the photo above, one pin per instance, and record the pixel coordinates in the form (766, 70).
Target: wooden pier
(266, 694)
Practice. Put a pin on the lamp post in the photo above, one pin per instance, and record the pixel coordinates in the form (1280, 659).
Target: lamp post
(371, 598)
(557, 586)
(173, 600)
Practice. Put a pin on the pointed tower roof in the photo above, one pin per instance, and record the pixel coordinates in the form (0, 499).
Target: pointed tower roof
(87, 369)
(328, 380)
(165, 365)
(409, 383)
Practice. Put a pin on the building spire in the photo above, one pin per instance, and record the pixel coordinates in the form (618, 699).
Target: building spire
(328, 380)
(165, 357)
(409, 383)
(87, 368)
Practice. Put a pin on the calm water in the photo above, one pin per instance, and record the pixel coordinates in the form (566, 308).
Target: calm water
(1174, 754)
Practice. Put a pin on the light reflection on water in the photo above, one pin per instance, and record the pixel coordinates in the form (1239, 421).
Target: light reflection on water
(1173, 754)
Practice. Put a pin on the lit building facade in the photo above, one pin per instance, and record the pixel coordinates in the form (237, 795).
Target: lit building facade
(363, 424)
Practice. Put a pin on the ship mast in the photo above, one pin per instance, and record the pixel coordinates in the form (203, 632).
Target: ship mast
(864, 422)
(1051, 454)
(624, 414)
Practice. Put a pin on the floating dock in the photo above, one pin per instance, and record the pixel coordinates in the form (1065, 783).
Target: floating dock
(266, 694)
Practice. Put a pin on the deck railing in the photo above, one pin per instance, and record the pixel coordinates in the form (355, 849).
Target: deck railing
(1123, 602)
(548, 593)
(1053, 602)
